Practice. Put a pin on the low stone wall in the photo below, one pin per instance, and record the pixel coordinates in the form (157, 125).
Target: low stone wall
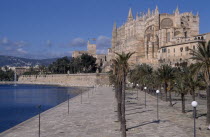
(87, 80)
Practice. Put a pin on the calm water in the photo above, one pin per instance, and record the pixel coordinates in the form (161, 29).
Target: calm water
(19, 103)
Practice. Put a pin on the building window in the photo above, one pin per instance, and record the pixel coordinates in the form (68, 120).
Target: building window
(168, 37)
(174, 50)
(181, 49)
(163, 50)
(168, 50)
(186, 48)
(193, 47)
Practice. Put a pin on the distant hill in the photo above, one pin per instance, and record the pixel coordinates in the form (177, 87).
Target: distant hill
(19, 62)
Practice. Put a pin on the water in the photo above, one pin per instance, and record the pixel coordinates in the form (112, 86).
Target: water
(19, 103)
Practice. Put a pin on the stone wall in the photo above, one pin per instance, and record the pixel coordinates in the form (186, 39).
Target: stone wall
(87, 80)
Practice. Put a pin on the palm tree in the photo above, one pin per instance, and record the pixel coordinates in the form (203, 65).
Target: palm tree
(118, 87)
(202, 56)
(181, 87)
(123, 66)
(191, 80)
(166, 75)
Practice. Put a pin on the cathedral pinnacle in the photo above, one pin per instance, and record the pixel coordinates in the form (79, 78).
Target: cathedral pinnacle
(137, 15)
(156, 10)
(197, 14)
(177, 10)
(115, 26)
(149, 12)
(130, 16)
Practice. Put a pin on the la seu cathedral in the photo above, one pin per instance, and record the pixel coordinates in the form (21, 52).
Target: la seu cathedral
(157, 38)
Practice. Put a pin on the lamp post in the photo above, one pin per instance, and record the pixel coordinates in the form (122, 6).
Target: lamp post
(137, 92)
(68, 104)
(194, 105)
(81, 96)
(157, 92)
(145, 88)
(39, 107)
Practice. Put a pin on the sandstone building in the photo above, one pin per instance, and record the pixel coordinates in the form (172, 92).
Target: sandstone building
(157, 37)
(101, 59)
(91, 50)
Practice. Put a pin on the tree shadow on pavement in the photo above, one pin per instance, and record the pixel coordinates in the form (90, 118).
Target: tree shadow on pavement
(130, 103)
(147, 123)
(201, 115)
(133, 109)
(131, 98)
(138, 112)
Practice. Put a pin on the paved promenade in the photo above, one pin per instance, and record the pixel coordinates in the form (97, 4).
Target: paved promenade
(141, 121)
(93, 118)
(96, 117)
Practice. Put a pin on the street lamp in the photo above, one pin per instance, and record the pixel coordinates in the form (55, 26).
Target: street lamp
(157, 92)
(145, 88)
(81, 96)
(39, 107)
(194, 105)
(68, 104)
(137, 92)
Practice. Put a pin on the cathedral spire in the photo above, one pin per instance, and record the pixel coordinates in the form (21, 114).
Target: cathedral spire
(137, 15)
(177, 10)
(156, 10)
(130, 16)
(197, 14)
(114, 26)
(149, 12)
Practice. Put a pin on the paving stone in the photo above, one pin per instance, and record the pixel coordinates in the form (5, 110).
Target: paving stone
(97, 116)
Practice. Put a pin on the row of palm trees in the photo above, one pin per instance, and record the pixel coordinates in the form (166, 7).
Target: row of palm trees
(183, 80)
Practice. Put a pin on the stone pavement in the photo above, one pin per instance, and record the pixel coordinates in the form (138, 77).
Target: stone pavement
(96, 117)
(93, 118)
(141, 121)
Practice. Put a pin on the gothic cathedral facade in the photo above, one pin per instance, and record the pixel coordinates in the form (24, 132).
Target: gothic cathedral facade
(154, 36)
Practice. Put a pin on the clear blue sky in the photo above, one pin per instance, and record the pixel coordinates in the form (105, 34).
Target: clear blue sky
(54, 28)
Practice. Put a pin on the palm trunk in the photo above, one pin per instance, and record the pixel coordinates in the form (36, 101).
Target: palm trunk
(208, 106)
(183, 102)
(193, 94)
(165, 88)
(170, 99)
(119, 100)
(116, 91)
(123, 123)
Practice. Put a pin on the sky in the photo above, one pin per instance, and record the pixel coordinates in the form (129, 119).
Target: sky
(55, 28)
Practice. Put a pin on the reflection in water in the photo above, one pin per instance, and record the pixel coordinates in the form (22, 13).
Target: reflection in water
(19, 103)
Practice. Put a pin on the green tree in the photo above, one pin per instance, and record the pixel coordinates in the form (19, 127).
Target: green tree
(166, 75)
(202, 56)
(122, 60)
(88, 63)
(116, 78)
(6, 75)
(60, 66)
(181, 86)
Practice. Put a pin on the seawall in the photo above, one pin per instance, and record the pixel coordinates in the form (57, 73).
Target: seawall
(87, 79)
